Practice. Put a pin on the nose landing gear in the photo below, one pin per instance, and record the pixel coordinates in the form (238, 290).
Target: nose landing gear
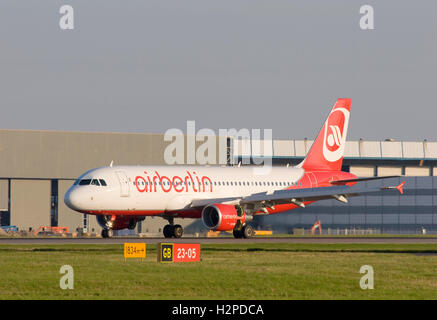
(107, 233)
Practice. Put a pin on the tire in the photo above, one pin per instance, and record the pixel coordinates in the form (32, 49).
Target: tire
(107, 233)
(132, 224)
(178, 231)
(247, 231)
(237, 234)
(168, 231)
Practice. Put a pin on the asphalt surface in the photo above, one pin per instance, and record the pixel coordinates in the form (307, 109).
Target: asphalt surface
(220, 240)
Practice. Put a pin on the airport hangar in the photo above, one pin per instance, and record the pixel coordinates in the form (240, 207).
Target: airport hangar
(38, 167)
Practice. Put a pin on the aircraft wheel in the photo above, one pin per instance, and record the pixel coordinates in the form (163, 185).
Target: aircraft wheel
(107, 233)
(247, 231)
(168, 231)
(132, 224)
(178, 231)
(237, 234)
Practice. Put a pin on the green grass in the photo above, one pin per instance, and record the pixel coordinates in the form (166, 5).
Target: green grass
(227, 271)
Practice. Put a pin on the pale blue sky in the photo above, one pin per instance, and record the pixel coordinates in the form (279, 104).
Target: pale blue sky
(147, 66)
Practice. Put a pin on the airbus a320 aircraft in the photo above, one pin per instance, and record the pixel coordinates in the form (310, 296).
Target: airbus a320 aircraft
(225, 198)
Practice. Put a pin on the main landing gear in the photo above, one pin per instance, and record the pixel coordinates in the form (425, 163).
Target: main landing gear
(172, 230)
(244, 232)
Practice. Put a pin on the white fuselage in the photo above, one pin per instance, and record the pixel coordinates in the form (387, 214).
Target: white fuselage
(150, 190)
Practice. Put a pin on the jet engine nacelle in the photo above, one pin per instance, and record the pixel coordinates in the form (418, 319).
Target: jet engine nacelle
(222, 217)
(117, 223)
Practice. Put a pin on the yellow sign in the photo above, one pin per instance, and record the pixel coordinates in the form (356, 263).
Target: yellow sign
(134, 250)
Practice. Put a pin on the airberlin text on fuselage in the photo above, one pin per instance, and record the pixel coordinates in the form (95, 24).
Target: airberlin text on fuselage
(189, 183)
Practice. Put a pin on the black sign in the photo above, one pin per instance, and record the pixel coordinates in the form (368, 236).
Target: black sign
(165, 252)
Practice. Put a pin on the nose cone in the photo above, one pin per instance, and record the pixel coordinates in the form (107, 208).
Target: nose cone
(73, 199)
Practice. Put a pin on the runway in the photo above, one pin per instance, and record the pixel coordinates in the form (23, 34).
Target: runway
(225, 240)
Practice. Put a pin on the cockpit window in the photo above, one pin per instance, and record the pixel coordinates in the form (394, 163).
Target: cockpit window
(93, 182)
(84, 182)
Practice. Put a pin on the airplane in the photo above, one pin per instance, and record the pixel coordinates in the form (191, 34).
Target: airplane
(225, 198)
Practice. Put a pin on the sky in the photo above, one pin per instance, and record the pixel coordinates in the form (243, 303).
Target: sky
(148, 66)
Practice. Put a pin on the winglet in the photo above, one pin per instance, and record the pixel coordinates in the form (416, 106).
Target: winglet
(401, 187)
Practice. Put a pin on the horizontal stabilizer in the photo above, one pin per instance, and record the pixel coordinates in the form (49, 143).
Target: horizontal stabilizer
(400, 188)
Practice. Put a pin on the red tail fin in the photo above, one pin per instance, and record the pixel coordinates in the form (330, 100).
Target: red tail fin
(326, 153)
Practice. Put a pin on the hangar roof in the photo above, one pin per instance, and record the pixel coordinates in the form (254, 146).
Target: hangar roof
(362, 149)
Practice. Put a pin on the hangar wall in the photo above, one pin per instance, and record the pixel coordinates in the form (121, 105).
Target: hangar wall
(30, 203)
(4, 194)
(39, 166)
(61, 155)
(409, 213)
(386, 212)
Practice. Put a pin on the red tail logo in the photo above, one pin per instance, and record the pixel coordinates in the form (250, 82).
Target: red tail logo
(335, 133)
(328, 149)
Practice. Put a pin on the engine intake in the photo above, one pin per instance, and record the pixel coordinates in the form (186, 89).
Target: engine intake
(222, 217)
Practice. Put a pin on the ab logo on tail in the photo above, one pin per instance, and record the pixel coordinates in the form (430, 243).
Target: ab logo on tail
(335, 134)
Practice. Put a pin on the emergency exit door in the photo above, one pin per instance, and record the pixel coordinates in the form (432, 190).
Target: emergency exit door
(124, 183)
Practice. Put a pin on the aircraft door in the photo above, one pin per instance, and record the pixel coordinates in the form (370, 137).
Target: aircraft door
(124, 183)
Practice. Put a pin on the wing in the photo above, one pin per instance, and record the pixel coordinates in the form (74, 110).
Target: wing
(299, 196)
(207, 201)
(260, 201)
